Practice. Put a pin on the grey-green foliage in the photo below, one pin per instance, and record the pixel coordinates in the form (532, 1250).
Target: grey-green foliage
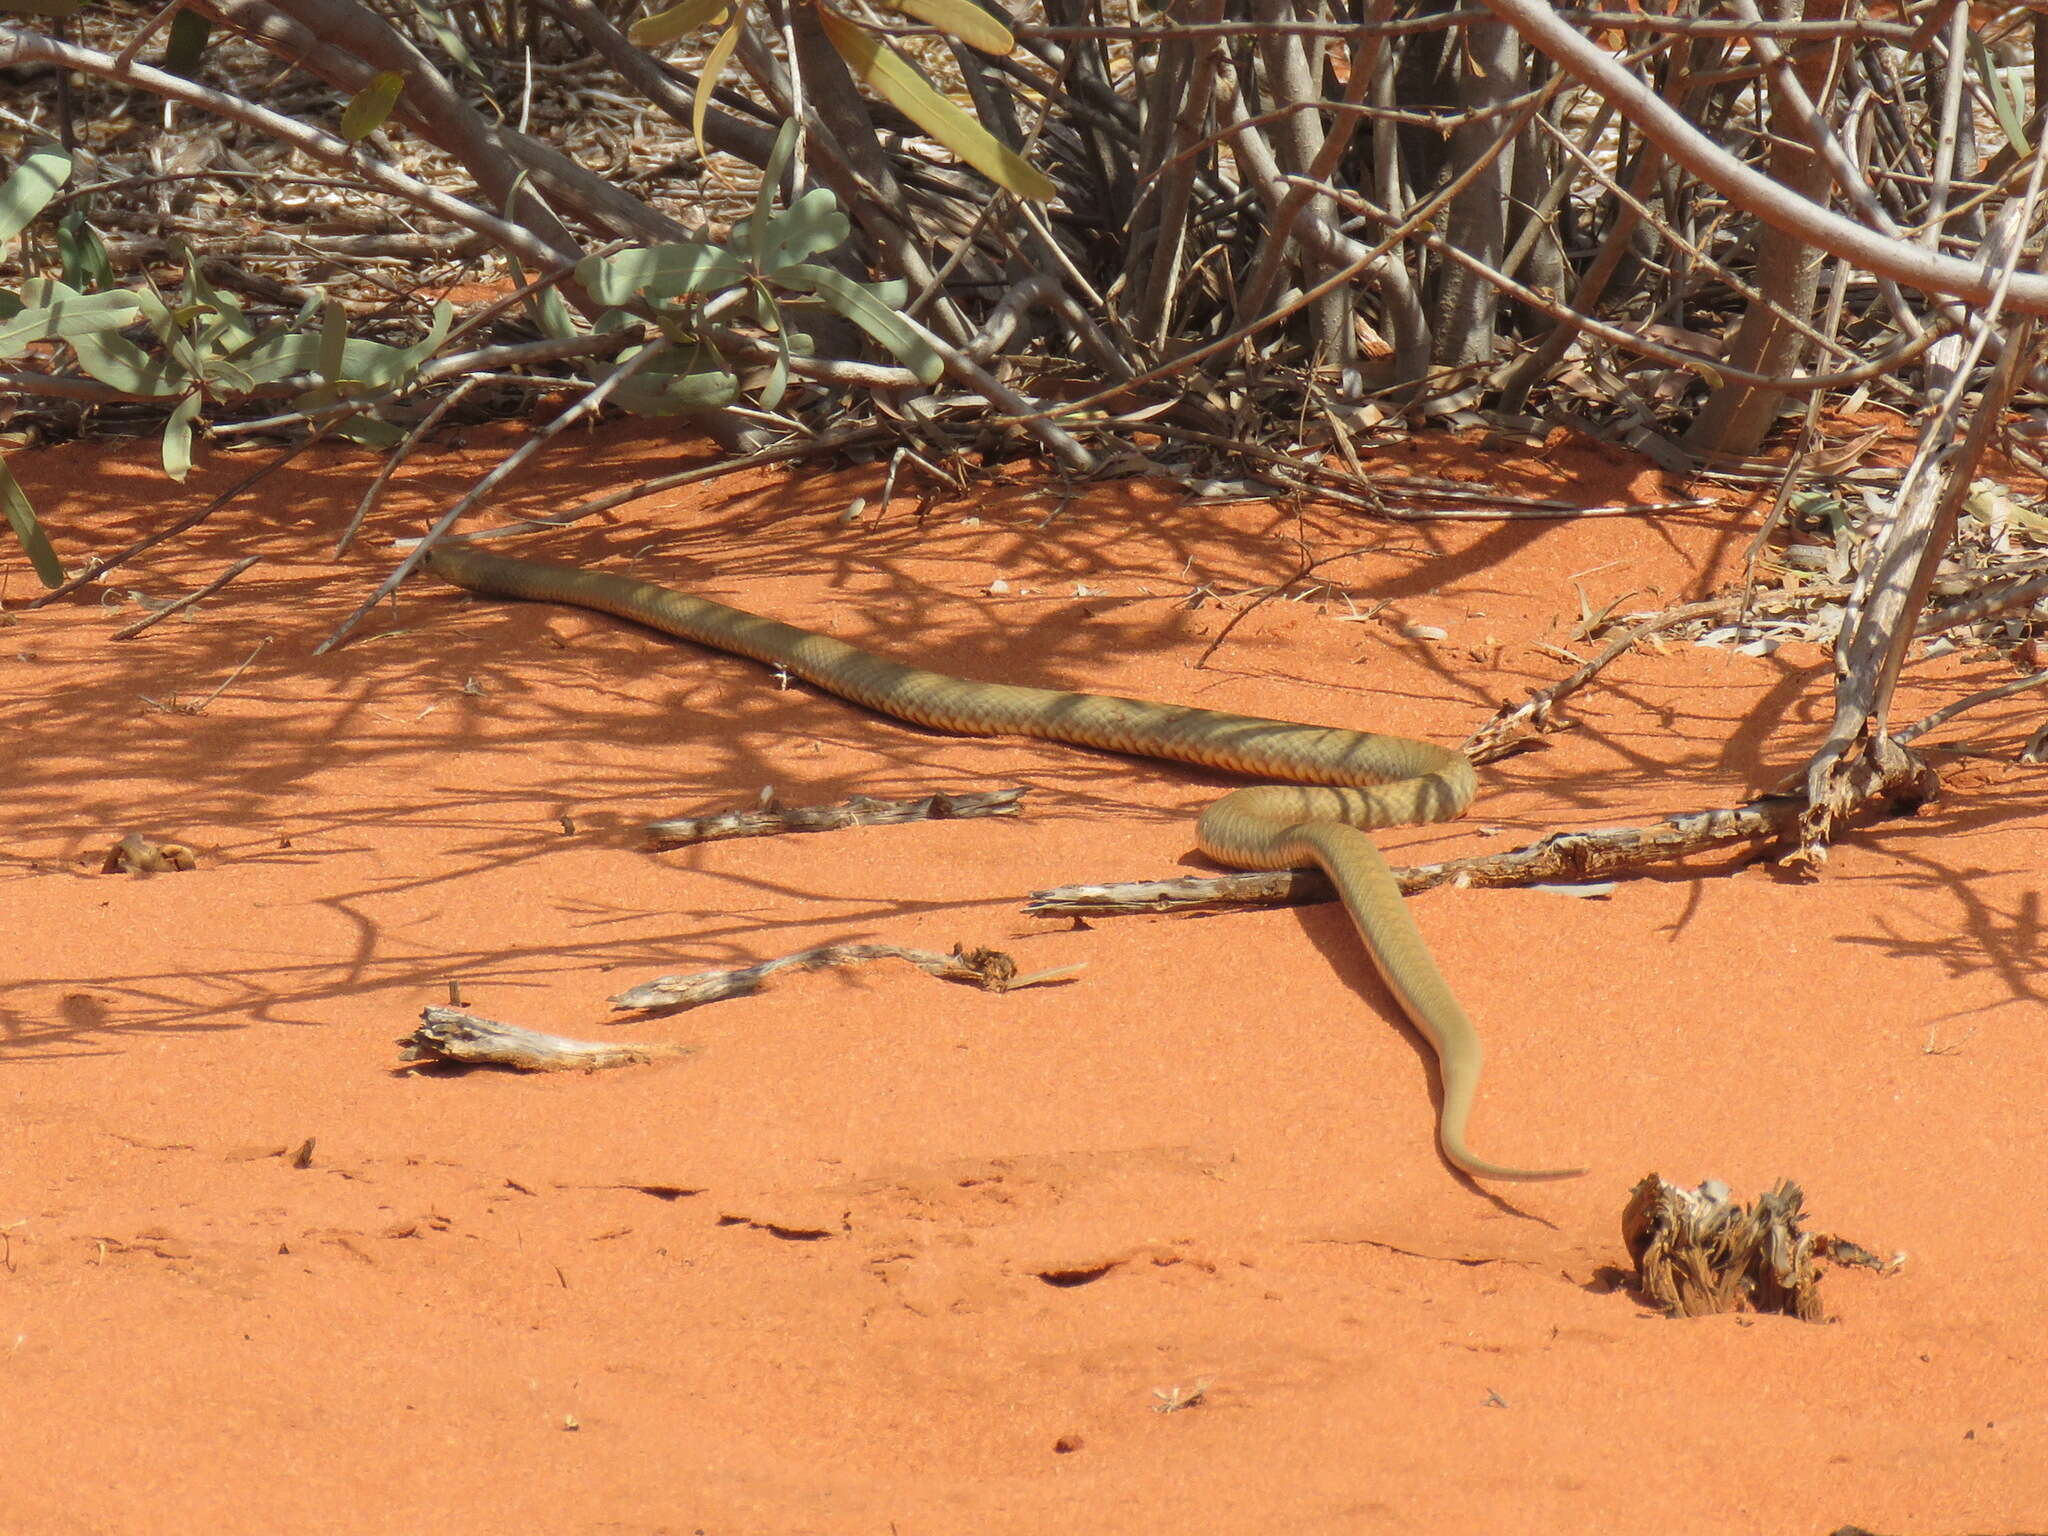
(769, 256)
(188, 348)
(197, 345)
(25, 193)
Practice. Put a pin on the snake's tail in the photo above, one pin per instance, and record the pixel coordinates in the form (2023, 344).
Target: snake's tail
(1373, 898)
(1452, 1139)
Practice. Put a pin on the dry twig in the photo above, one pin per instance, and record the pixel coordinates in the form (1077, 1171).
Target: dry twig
(768, 819)
(989, 969)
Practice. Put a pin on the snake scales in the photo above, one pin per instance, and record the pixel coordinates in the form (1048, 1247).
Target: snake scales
(1360, 780)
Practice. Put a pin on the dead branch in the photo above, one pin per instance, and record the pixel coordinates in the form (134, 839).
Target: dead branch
(179, 605)
(1750, 189)
(1560, 858)
(449, 1034)
(989, 969)
(769, 819)
(19, 47)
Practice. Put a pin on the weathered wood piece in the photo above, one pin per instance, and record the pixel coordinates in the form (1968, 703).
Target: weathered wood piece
(989, 969)
(859, 811)
(449, 1034)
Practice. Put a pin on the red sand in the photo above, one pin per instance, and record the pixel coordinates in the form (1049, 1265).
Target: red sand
(888, 1255)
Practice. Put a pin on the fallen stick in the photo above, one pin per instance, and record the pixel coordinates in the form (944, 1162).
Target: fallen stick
(179, 605)
(769, 819)
(1560, 858)
(1565, 857)
(449, 1034)
(989, 969)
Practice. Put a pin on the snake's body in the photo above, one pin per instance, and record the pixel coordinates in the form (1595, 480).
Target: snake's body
(1360, 780)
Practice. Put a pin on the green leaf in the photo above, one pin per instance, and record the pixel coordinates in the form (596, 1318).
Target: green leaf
(860, 305)
(2002, 105)
(962, 19)
(405, 361)
(811, 227)
(551, 312)
(186, 44)
(333, 338)
(21, 517)
(887, 74)
(178, 436)
(707, 78)
(227, 327)
(71, 317)
(659, 271)
(674, 383)
(764, 199)
(677, 21)
(83, 254)
(283, 354)
(368, 108)
(28, 191)
(118, 361)
(777, 384)
(368, 430)
(443, 32)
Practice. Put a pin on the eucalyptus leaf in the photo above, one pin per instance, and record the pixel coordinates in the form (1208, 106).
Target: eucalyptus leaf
(962, 19)
(66, 320)
(28, 191)
(21, 517)
(659, 272)
(777, 383)
(228, 326)
(367, 430)
(443, 32)
(688, 392)
(810, 227)
(764, 199)
(2003, 107)
(333, 339)
(185, 44)
(83, 254)
(890, 76)
(674, 382)
(707, 79)
(664, 27)
(178, 436)
(118, 361)
(552, 314)
(408, 359)
(370, 107)
(858, 304)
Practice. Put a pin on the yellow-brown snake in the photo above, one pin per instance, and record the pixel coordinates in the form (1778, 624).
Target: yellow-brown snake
(1373, 781)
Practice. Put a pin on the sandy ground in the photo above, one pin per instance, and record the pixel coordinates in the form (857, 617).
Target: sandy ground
(887, 1255)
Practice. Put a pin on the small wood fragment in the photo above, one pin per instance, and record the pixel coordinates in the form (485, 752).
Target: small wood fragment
(1699, 1252)
(448, 1034)
(989, 969)
(859, 811)
(137, 855)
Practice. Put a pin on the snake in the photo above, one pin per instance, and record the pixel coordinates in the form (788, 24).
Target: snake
(1341, 782)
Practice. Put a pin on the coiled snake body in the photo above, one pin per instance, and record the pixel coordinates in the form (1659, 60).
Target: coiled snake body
(1361, 780)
